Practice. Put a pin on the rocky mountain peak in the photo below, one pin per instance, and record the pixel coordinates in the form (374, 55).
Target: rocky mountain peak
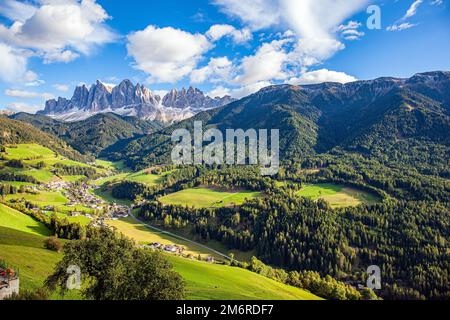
(133, 100)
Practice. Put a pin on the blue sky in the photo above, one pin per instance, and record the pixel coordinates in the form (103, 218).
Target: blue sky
(234, 47)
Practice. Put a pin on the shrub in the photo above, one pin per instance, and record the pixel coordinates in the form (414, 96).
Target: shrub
(53, 243)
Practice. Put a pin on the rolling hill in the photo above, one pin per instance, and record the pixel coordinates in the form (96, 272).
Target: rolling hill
(94, 134)
(17, 132)
(21, 244)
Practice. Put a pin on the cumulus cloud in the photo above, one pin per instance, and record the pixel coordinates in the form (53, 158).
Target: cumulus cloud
(166, 54)
(312, 21)
(16, 11)
(320, 76)
(218, 69)
(13, 66)
(57, 30)
(257, 14)
(266, 64)
(218, 31)
(219, 91)
(249, 89)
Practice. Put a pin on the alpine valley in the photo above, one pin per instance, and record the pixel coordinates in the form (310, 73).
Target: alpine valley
(364, 181)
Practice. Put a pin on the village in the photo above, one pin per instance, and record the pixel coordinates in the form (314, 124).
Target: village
(81, 195)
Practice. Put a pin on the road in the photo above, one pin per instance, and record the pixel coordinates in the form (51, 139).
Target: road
(179, 237)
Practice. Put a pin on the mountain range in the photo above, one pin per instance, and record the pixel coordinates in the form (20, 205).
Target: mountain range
(367, 117)
(127, 99)
(390, 119)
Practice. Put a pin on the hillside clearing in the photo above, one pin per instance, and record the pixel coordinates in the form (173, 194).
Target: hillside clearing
(208, 198)
(338, 196)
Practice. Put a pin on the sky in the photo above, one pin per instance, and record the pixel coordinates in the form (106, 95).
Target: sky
(223, 47)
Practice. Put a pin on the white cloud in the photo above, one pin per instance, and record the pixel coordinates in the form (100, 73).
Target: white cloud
(257, 14)
(59, 30)
(313, 22)
(13, 66)
(61, 87)
(249, 89)
(218, 69)
(60, 56)
(166, 54)
(28, 94)
(437, 2)
(412, 9)
(266, 64)
(218, 31)
(219, 91)
(350, 31)
(16, 11)
(320, 76)
(23, 107)
(401, 27)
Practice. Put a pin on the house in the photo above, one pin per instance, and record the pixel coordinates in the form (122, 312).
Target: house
(170, 248)
(9, 281)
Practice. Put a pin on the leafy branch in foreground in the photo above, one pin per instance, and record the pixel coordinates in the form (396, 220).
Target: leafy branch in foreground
(112, 268)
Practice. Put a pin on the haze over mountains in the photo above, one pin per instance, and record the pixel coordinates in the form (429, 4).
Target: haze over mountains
(128, 99)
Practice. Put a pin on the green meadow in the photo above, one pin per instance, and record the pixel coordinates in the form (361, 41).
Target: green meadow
(21, 245)
(55, 200)
(338, 196)
(32, 154)
(219, 282)
(140, 176)
(208, 198)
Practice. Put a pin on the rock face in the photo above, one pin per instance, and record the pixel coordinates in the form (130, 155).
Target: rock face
(131, 100)
(193, 98)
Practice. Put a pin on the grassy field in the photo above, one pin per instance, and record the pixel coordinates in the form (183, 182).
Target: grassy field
(208, 198)
(107, 196)
(32, 154)
(218, 282)
(140, 176)
(207, 281)
(17, 184)
(21, 245)
(16, 220)
(143, 234)
(56, 200)
(118, 165)
(28, 151)
(337, 196)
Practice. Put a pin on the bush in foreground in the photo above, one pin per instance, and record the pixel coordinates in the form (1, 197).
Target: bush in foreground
(52, 243)
(112, 268)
